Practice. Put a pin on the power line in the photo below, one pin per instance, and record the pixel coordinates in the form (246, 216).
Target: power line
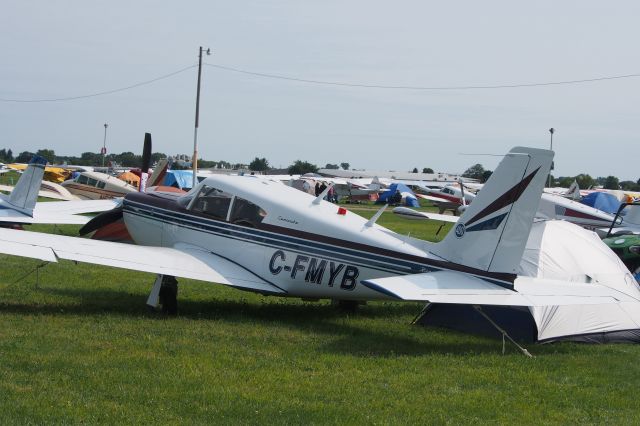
(323, 82)
(106, 92)
(377, 86)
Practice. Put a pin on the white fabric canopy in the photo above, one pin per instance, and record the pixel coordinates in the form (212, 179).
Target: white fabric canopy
(563, 251)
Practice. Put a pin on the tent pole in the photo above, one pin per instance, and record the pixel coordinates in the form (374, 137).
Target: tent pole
(422, 312)
(504, 333)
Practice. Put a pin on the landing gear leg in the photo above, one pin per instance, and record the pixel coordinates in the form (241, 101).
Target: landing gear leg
(165, 294)
(169, 295)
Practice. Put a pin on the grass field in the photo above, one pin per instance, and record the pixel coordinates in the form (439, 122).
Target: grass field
(77, 345)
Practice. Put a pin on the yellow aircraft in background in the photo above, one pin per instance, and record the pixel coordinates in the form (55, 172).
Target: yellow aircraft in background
(52, 174)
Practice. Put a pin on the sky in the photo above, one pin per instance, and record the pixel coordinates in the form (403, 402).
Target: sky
(53, 50)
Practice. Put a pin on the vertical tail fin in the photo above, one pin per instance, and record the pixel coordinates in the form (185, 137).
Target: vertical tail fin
(492, 233)
(25, 194)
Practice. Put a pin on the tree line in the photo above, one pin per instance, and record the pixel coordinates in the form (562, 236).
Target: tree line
(129, 159)
(584, 180)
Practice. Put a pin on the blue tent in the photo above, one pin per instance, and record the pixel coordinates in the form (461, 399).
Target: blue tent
(408, 196)
(602, 201)
(179, 178)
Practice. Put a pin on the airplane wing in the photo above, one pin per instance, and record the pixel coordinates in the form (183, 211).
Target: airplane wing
(408, 213)
(460, 288)
(432, 198)
(182, 261)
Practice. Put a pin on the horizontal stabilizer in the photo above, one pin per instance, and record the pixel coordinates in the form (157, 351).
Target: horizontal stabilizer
(459, 288)
(184, 261)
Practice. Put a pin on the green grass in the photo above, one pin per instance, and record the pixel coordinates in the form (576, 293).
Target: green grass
(79, 346)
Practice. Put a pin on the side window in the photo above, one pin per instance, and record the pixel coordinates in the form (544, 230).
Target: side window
(246, 213)
(212, 202)
(101, 184)
(93, 182)
(83, 179)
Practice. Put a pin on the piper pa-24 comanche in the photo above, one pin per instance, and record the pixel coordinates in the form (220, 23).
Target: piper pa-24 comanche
(259, 235)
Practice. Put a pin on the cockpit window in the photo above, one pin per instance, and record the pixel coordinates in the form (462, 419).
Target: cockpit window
(246, 213)
(212, 202)
(82, 179)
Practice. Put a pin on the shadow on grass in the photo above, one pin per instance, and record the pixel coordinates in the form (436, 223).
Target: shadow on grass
(347, 332)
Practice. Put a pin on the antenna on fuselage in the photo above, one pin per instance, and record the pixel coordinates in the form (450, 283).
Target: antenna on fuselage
(376, 216)
(323, 194)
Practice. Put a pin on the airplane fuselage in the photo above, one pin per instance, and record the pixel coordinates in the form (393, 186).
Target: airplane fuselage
(315, 253)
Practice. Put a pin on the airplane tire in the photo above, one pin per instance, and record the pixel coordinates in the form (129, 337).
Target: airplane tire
(346, 305)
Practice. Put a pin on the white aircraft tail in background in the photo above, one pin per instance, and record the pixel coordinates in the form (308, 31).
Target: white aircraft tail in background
(21, 206)
(24, 196)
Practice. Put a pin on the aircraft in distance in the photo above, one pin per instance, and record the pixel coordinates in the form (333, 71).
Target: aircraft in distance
(552, 206)
(448, 197)
(258, 235)
(21, 206)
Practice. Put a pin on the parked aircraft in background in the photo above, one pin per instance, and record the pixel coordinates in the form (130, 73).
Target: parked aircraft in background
(449, 197)
(550, 207)
(97, 186)
(21, 206)
(258, 235)
(47, 190)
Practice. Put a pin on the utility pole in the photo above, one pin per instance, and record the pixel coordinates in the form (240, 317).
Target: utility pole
(194, 160)
(551, 130)
(103, 151)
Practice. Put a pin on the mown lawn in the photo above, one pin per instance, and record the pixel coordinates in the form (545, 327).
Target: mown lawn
(77, 345)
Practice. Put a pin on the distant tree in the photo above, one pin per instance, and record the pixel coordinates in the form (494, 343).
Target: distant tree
(486, 175)
(90, 159)
(565, 181)
(585, 181)
(427, 170)
(474, 172)
(3, 155)
(47, 154)
(259, 165)
(629, 185)
(157, 156)
(332, 166)
(128, 159)
(24, 157)
(415, 170)
(611, 182)
(207, 164)
(302, 167)
(9, 155)
(345, 166)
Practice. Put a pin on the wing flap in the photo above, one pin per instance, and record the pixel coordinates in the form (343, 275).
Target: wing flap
(460, 288)
(182, 262)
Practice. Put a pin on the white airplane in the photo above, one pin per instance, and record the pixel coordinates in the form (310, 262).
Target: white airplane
(262, 236)
(449, 197)
(21, 206)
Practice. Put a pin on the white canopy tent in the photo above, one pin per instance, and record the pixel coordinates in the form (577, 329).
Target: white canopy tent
(563, 251)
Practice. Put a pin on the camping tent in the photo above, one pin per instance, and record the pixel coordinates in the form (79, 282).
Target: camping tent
(602, 201)
(408, 197)
(562, 251)
(179, 178)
